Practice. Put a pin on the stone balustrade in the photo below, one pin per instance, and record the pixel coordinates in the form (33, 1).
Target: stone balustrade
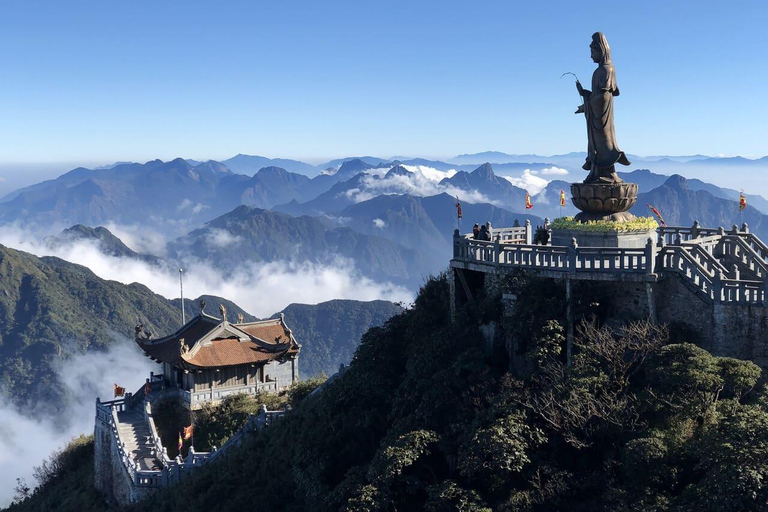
(693, 253)
(745, 254)
(558, 258)
(194, 398)
(676, 234)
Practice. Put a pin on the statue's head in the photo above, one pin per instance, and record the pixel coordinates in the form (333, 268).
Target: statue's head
(601, 52)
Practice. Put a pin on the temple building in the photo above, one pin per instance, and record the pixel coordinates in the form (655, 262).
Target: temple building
(209, 358)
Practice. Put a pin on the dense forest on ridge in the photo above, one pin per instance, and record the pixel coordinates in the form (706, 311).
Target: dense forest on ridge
(425, 418)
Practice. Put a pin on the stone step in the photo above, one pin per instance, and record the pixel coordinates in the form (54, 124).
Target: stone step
(135, 434)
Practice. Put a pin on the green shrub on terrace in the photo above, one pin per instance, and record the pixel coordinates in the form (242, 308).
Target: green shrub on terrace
(606, 226)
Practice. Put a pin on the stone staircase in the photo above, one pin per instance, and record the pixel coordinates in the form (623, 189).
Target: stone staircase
(135, 434)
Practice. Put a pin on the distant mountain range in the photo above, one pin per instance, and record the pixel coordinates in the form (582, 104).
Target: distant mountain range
(681, 204)
(249, 234)
(165, 195)
(393, 219)
(426, 223)
(249, 164)
(330, 332)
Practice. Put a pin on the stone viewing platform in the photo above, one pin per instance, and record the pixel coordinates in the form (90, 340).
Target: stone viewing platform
(723, 266)
(711, 282)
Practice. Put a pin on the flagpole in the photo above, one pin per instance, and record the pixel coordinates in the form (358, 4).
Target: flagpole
(458, 217)
(181, 288)
(742, 206)
(458, 214)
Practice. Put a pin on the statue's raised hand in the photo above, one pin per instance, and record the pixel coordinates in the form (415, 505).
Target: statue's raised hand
(580, 110)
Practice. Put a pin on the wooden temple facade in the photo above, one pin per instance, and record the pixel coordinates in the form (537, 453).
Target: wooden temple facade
(208, 358)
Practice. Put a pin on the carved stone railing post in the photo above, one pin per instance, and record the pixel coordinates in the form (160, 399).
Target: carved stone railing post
(659, 263)
(695, 229)
(765, 293)
(717, 286)
(572, 254)
(650, 256)
(744, 227)
(456, 243)
(528, 232)
(497, 249)
(734, 229)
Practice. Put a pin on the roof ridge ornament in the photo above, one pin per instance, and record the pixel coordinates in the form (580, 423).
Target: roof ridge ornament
(141, 334)
(202, 306)
(223, 311)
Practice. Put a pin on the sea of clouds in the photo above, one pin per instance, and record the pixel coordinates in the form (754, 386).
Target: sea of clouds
(261, 288)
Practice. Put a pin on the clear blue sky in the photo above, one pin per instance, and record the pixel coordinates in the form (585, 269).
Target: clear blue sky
(136, 80)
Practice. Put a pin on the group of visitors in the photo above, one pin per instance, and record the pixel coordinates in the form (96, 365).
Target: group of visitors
(483, 232)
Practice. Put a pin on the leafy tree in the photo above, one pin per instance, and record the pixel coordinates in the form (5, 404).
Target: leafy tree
(21, 491)
(497, 452)
(549, 344)
(450, 497)
(733, 464)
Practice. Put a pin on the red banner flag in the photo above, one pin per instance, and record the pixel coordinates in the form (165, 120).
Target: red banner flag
(458, 209)
(742, 201)
(119, 391)
(528, 203)
(658, 215)
(188, 431)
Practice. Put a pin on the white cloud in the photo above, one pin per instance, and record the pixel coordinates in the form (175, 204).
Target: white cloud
(260, 288)
(195, 208)
(141, 239)
(528, 181)
(379, 223)
(421, 181)
(222, 238)
(551, 171)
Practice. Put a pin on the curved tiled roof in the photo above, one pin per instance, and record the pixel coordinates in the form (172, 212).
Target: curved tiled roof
(207, 342)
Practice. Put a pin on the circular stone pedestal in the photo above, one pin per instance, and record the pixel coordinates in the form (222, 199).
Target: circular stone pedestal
(604, 201)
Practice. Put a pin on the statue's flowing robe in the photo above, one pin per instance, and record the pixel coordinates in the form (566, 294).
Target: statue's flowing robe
(602, 150)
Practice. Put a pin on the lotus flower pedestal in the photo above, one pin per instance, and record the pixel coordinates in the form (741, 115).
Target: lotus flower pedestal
(604, 201)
